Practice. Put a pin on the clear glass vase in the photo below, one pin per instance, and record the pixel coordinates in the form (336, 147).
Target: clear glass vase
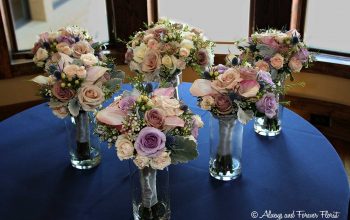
(226, 134)
(174, 82)
(84, 146)
(269, 126)
(150, 193)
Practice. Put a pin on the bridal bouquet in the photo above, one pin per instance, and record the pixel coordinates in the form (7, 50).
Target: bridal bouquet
(241, 92)
(151, 128)
(280, 53)
(78, 75)
(163, 50)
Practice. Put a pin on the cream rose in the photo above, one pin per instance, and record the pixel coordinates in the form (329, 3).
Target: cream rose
(295, 65)
(188, 44)
(74, 70)
(141, 161)
(63, 47)
(41, 55)
(167, 62)
(277, 61)
(198, 121)
(151, 61)
(262, 65)
(161, 161)
(52, 36)
(188, 35)
(171, 107)
(89, 59)
(139, 53)
(124, 147)
(90, 97)
(184, 52)
(80, 48)
(207, 102)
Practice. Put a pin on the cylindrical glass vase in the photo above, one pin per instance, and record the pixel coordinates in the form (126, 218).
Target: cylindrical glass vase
(226, 134)
(84, 147)
(269, 126)
(150, 193)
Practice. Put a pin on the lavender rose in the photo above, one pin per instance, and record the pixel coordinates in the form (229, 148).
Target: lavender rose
(150, 142)
(223, 104)
(265, 77)
(155, 118)
(268, 105)
(302, 55)
(126, 103)
(202, 57)
(62, 94)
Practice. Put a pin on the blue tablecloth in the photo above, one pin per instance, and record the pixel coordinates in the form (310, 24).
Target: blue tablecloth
(297, 171)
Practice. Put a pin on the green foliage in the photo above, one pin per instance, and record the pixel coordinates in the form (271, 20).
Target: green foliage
(183, 150)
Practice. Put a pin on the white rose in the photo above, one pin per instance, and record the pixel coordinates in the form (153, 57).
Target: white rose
(188, 35)
(41, 55)
(184, 52)
(89, 59)
(141, 161)
(52, 36)
(295, 65)
(139, 53)
(188, 44)
(167, 62)
(161, 161)
(124, 147)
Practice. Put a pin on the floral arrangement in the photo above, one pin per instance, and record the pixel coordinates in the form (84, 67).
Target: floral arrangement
(78, 75)
(166, 48)
(150, 127)
(280, 53)
(238, 91)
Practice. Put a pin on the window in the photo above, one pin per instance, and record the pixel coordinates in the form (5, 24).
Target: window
(33, 17)
(222, 21)
(326, 25)
(22, 20)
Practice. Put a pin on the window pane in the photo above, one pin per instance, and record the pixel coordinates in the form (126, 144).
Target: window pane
(33, 17)
(326, 25)
(221, 20)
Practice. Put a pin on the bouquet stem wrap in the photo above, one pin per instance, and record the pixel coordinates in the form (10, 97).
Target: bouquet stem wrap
(225, 128)
(82, 135)
(148, 180)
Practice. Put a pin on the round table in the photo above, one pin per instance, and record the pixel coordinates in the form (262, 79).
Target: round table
(296, 173)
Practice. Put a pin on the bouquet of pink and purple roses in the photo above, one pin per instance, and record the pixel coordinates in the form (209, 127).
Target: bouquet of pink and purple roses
(280, 53)
(78, 76)
(241, 92)
(152, 128)
(166, 48)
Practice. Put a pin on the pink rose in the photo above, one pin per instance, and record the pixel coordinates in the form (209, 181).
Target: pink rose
(223, 104)
(82, 47)
(155, 118)
(63, 47)
(74, 70)
(248, 88)
(277, 61)
(269, 41)
(295, 65)
(164, 92)
(230, 79)
(129, 55)
(90, 97)
(262, 65)
(202, 57)
(62, 94)
(148, 37)
(126, 103)
(248, 73)
(219, 86)
(152, 44)
(151, 61)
